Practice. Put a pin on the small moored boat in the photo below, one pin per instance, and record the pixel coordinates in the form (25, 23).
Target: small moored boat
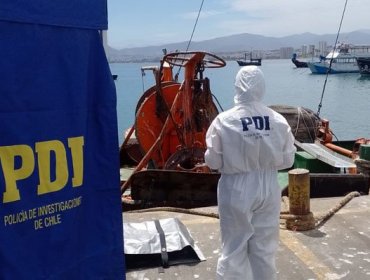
(363, 64)
(297, 63)
(251, 61)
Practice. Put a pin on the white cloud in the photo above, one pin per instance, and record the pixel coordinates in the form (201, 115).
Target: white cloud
(203, 14)
(277, 18)
(286, 17)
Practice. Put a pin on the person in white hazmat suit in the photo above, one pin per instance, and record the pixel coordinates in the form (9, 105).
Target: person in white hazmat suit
(248, 144)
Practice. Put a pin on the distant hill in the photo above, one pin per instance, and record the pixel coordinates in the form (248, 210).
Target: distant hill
(237, 44)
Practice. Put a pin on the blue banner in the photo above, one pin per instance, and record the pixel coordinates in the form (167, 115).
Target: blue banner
(90, 14)
(60, 205)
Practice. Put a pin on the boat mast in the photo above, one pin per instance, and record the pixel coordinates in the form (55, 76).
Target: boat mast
(331, 60)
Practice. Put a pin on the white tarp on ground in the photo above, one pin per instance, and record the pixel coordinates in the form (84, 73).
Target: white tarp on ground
(143, 240)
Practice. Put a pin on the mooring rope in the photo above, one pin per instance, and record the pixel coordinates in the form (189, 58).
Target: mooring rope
(331, 60)
(177, 210)
(319, 220)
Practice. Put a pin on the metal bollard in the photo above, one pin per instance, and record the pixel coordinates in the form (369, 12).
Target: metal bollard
(301, 218)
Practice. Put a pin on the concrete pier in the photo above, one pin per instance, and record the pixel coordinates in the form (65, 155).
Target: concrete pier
(337, 249)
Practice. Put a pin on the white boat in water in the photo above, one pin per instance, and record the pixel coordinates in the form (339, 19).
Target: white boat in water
(343, 60)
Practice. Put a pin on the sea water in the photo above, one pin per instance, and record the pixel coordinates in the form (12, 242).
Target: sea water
(345, 99)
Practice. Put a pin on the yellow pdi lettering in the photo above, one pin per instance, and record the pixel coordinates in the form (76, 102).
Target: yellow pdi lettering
(11, 174)
(44, 151)
(76, 145)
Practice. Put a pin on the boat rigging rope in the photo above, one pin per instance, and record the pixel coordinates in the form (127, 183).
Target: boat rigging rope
(192, 34)
(195, 25)
(331, 60)
(301, 112)
(218, 103)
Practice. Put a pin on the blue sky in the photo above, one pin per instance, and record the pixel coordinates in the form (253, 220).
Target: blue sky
(134, 23)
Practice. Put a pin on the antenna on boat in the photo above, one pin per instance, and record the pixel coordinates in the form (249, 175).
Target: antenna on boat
(191, 37)
(331, 60)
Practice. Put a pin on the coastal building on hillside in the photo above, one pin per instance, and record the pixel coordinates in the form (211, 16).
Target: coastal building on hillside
(311, 51)
(308, 51)
(323, 48)
(304, 51)
(258, 54)
(286, 52)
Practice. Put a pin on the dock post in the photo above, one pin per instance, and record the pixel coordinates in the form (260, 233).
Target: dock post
(301, 218)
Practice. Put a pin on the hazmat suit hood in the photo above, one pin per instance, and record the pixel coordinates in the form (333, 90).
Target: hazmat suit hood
(249, 85)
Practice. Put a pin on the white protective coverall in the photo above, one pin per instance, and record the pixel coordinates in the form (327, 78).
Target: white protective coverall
(248, 144)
